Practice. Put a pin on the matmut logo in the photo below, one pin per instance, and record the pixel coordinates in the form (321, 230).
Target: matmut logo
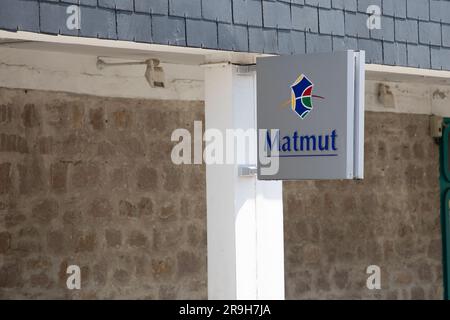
(302, 96)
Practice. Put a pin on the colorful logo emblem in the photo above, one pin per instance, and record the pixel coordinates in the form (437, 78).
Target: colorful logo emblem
(301, 96)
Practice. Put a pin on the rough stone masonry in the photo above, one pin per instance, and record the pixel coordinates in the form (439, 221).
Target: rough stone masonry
(335, 229)
(89, 181)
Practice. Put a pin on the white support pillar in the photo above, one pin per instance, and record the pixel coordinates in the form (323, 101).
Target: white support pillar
(244, 215)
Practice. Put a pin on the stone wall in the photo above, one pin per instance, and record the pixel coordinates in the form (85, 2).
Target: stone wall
(335, 229)
(89, 181)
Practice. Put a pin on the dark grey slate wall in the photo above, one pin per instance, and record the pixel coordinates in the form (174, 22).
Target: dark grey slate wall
(414, 33)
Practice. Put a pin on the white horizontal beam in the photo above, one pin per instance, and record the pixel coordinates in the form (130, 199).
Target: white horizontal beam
(126, 49)
(407, 74)
(373, 70)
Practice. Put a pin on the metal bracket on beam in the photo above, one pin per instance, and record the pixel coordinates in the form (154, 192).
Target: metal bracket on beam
(247, 171)
(436, 126)
(245, 69)
(240, 68)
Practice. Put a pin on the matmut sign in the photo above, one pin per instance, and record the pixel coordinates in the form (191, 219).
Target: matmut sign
(310, 109)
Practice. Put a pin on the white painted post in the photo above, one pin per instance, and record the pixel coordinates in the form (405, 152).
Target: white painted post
(244, 215)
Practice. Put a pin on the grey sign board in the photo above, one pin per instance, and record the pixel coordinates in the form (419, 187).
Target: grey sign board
(310, 110)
